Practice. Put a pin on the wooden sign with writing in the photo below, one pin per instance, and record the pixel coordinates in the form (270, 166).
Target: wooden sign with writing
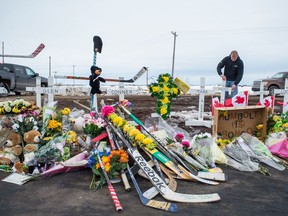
(231, 122)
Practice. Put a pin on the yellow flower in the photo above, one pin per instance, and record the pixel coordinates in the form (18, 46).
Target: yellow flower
(285, 125)
(127, 128)
(155, 89)
(134, 132)
(66, 111)
(275, 118)
(260, 126)
(165, 89)
(72, 137)
(15, 110)
(53, 124)
(107, 167)
(147, 141)
(165, 100)
(105, 159)
(117, 120)
(175, 90)
(163, 111)
(139, 137)
(166, 79)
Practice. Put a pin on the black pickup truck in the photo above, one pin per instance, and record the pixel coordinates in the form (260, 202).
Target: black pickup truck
(16, 78)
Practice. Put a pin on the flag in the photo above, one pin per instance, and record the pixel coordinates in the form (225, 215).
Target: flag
(267, 101)
(215, 103)
(241, 99)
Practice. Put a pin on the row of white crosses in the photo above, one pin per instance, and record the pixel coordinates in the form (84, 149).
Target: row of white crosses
(52, 90)
(283, 92)
(199, 121)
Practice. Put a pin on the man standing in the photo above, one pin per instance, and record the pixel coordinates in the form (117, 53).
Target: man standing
(233, 72)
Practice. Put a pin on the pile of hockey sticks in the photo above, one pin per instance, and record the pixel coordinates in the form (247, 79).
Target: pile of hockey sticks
(162, 158)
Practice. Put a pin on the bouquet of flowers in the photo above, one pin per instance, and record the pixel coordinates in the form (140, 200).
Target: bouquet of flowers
(13, 107)
(277, 123)
(202, 146)
(93, 126)
(114, 161)
(164, 91)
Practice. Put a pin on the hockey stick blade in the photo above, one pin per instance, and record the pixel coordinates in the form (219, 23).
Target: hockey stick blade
(171, 207)
(33, 55)
(165, 191)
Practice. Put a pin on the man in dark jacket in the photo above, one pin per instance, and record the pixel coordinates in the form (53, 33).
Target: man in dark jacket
(233, 72)
(94, 82)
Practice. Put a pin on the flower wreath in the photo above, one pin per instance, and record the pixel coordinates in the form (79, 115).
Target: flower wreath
(164, 91)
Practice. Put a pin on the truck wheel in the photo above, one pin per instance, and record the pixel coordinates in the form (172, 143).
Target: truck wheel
(6, 89)
(271, 89)
(17, 93)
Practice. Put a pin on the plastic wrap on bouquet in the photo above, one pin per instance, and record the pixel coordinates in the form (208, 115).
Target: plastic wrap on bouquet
(239, 159)
(277, 144)
(75, 163)
(257, 150)
(202, 144)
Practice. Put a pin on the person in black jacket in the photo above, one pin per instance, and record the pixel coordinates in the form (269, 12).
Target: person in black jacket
(94, 82)
(233, 72)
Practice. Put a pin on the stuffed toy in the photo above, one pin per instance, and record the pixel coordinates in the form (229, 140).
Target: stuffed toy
(11, 149)
(95, 79)
(77, 124)
(32, 139)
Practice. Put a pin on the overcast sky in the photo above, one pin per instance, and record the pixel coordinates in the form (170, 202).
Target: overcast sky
(137, 33)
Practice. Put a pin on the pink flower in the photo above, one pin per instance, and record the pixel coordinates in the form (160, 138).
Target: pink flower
(185, 143)
(107, 110)
(92, 114)
(179, 137)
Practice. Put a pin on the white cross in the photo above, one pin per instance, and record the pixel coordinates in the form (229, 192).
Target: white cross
(261, 91)
(50, 90)
(201, 92)
(285, 93)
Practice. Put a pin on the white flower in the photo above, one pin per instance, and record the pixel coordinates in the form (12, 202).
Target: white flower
(20, 118)
(15, 127)
(7, 108)
(1, 104)
(35, 127)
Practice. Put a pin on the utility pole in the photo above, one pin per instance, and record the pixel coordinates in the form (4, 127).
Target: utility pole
(73, 75)
(3, 52)
(173, 60)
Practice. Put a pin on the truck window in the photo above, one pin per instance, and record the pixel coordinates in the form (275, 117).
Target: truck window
(30, 72)
(19, 71)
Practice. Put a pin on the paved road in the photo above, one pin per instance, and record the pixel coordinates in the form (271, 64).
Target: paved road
(68, 194)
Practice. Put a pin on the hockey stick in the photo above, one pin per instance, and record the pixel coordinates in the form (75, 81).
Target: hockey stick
(156, 180)
(171, 207)
(110, 186)
(33, 55)
(123, 175)
(132, 80)
(168, 161)
(162, 205)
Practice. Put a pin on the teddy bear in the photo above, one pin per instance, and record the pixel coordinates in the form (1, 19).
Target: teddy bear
(12, 149)
(32, 138)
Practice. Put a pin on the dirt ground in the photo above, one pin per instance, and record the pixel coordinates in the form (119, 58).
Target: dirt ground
(68, 193)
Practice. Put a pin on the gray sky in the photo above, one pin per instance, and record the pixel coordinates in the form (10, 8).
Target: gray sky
(137, 33)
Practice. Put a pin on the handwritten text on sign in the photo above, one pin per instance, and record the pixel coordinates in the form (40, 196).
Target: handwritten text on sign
(121, 91)
(46, 90)
(232, 123)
